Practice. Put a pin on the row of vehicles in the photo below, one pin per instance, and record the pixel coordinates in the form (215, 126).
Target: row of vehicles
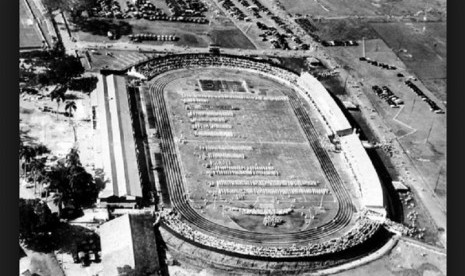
(388, 96)
(154, 37)
(379, 64)
(334, 43)
(433, 106)
(146, 10)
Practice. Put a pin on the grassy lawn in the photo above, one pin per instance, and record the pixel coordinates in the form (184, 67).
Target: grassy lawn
(231, 39)
(344, 29)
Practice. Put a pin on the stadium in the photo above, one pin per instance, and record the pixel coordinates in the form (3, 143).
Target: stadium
(258, 163)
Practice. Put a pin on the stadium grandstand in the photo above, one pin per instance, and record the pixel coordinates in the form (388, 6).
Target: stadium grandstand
(318, 94)
(115, 139)
(188, 224)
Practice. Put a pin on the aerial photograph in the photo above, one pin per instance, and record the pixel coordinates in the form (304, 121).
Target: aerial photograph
(232, 137)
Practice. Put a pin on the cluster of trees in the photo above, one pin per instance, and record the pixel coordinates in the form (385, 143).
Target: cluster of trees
(37, 224)
(66, 183)
(85, 84)
(60, 70)
(74, 7)
(58, 95)
(72, 186)
(33, 163)
(63, 70)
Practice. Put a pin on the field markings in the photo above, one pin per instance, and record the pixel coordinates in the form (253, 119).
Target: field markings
(404, 124)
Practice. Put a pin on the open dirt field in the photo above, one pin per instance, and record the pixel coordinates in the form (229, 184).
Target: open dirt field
(426, 51)
(342, 29)
(56, 132)
(420, 145)
(277, 140)
(331, 8)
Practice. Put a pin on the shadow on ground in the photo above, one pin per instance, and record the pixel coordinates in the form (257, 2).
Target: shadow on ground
(101, 27)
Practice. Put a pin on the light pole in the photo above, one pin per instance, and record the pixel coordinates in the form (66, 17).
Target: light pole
(437, 180)
(413, 105)
(429, 131)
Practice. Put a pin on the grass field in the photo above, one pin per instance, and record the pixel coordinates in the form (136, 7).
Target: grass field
(29, 35)
(272, 130)
(343, 29)
(231, 39)
(426, 51)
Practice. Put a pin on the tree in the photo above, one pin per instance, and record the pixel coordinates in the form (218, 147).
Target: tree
(37, 167)
(41, 149)
(63, 68)
(58, 95)
(37, 224)
(70, 107)
(72, 183)
(59, 183)
(85, 191)
(73, 6)
(72, 158)
(27, 153)
(84, 84)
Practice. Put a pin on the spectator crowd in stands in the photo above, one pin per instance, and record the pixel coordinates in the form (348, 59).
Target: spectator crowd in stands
(363, 229)
(173, 62)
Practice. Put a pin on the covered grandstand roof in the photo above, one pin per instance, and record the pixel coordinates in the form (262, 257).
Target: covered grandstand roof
(117, 144)
(370, 185)
(129, 246)
(323, 100)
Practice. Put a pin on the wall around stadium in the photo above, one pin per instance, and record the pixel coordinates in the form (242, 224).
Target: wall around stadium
(364, 171)
(328, 107)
